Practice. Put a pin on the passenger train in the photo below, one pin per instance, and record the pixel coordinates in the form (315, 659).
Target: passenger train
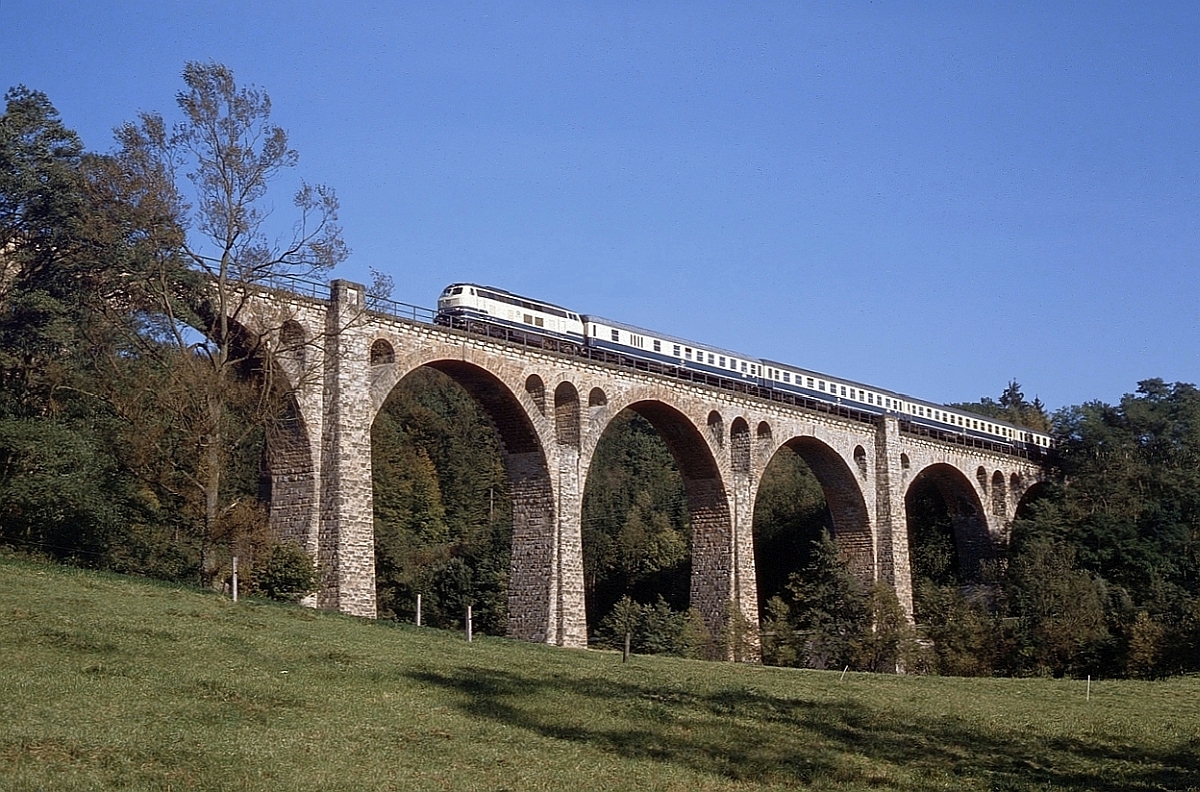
(461, 303)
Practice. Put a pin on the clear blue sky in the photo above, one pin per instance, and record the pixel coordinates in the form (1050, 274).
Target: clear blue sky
(929, 197)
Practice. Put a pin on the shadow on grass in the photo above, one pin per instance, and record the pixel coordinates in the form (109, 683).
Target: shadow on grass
(744, 735)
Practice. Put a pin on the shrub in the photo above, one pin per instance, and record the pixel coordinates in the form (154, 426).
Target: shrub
(287, 574)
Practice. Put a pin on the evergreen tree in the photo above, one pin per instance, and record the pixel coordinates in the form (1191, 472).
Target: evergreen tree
(830, 606)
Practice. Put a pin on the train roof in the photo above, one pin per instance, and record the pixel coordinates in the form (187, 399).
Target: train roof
(901, 396)
(664, 337)
(507, 293)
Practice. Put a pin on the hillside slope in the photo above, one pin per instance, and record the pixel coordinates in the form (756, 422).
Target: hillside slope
(114, 683)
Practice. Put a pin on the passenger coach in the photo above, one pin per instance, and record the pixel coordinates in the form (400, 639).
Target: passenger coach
(463, 303)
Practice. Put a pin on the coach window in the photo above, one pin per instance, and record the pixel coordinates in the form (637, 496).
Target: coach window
(687, 353)
(809, 381)
(616, 335)
(843, 390)
(710, 359)
(721, 361)
(657, 345)
(821, 385)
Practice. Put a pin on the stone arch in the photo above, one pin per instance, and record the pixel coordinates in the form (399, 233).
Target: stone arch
(764, 432)
(537, 391)
(739, 446)
(597, 398)
(905, 462)
(1026, 499)
(713, 552)
(533, 612)
(716, 428)
(981, 475)
(566, 415)
(972, 542)
(292, 336)
(764, 445)
(847, 506)
(292, 355)
(382, 352)
(860, 460)
(999, 495)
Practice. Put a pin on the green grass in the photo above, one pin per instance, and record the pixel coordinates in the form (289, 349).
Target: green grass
(112, 683)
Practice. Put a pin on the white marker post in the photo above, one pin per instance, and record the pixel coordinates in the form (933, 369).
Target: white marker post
(235, 580)
(418, 610)
(468, 624)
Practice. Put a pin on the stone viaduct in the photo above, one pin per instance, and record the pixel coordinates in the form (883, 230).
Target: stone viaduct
(341, 360)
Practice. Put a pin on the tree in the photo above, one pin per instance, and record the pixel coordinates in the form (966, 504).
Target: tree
(1060, 609)
(888, 643)
(1011, 407)
(62, 489)
(443, 521)
(830, 605)
(789, 514)
(636, 536)
(213, 170)
(41, 216)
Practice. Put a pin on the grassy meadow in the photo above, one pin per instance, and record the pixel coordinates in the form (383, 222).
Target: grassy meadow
(114, 683)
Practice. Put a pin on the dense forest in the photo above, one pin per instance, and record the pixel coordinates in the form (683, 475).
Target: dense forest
(135, 417)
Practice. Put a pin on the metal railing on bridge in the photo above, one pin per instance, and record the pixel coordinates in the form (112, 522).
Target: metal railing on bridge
(375, 303)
